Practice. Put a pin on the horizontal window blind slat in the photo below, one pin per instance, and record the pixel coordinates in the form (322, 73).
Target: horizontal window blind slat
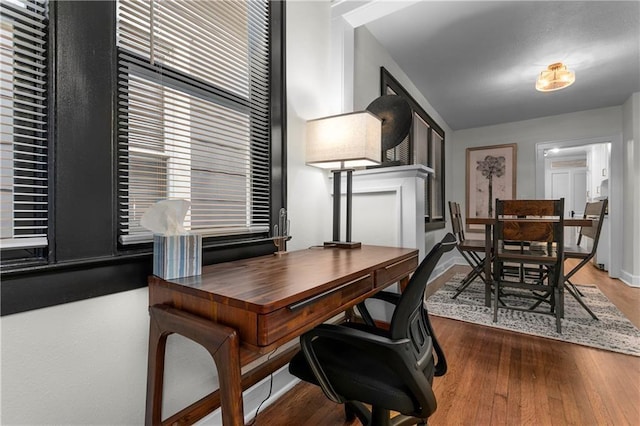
(35, 241)
(36, 62)
(198, 111)
(28, 21)
(24, 103)
(27, 137)
(27, 42)
(23, 118)
(220, 22)
(192, 123)
(29, 9)
(175, 8)
(36, 80)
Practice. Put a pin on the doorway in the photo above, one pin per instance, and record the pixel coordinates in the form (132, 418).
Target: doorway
(566, 177)
(580, 171)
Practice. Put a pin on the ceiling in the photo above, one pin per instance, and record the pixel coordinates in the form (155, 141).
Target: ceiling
(477, 61)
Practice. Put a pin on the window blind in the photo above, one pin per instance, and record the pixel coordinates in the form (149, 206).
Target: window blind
(23, 115)
(193, 114)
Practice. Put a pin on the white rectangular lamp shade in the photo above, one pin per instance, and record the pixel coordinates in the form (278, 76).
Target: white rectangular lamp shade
(344, 141)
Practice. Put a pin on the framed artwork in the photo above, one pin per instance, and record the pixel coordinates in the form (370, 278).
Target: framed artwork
(491, 174)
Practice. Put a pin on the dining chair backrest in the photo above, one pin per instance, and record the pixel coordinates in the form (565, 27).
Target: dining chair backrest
(457, 222)
(530, 220)
(594, 211)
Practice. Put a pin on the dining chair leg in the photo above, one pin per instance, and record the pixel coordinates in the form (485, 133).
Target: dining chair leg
(496, 288)
(576, 296)
(559, 313)
(573, 286)
(469, 278)
(555, 277)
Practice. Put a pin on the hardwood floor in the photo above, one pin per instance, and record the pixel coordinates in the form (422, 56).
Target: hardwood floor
(498, 377)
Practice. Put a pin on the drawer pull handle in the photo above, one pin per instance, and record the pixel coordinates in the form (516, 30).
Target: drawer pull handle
(313, 299)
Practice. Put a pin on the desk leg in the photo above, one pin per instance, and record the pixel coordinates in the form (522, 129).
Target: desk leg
(487, 265)
(404, 282)
(220, 341)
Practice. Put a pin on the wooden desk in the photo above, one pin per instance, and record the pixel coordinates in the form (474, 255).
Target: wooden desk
(488, 230)
(243, 309)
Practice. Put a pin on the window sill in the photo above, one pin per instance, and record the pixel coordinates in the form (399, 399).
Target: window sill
(40, 286)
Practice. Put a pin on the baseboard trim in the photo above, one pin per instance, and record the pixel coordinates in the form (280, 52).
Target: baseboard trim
(255, 395)
(629, 279)
(444, 266)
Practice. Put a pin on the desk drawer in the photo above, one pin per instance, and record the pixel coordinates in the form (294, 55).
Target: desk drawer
(288, 321)
(395, 271)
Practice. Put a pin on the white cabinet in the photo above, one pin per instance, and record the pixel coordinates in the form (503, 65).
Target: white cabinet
(598, 165)
(601, 259)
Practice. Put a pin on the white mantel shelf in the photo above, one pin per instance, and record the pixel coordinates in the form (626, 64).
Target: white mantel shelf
(411, 170)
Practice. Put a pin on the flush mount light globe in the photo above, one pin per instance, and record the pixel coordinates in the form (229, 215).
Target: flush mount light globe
(555, 77)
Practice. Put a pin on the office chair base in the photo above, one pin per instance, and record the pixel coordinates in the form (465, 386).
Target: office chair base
(355, 409)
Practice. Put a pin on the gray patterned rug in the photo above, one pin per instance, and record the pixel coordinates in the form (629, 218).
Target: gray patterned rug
(612, 332)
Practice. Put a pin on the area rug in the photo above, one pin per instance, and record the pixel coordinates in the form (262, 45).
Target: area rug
(612, 332)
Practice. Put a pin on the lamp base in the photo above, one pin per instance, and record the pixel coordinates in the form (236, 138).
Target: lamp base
(343, 244)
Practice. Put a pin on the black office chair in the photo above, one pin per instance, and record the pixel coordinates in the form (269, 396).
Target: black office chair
(594, 211)
(392, 369)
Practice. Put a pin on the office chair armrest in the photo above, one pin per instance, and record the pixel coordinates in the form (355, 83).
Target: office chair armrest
(385, 350)
(385, 296)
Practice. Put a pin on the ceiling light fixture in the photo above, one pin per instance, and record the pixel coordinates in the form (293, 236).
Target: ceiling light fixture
(555, 77)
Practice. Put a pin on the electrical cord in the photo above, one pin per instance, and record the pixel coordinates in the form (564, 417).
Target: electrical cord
(255, 417)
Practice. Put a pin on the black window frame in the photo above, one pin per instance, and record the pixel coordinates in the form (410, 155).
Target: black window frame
(84, 259)
(387, 81)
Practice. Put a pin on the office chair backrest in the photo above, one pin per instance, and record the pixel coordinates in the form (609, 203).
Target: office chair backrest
(596, 212)
(409, 317)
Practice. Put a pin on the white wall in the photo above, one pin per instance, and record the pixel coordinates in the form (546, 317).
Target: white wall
(369, 57)
(580, 125)
(310, 94)
(79, 363)
(85, 363)
(591, 124)
(631, 190)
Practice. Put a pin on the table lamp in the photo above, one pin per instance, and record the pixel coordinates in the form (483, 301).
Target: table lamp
(342, 143)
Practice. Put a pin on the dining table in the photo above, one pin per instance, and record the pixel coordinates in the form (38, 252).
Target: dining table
(488, 223)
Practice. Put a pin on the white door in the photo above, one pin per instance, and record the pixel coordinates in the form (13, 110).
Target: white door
(570, 184)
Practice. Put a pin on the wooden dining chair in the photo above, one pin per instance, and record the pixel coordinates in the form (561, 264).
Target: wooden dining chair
(472, 251)
(529, 233)
(594, 211)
